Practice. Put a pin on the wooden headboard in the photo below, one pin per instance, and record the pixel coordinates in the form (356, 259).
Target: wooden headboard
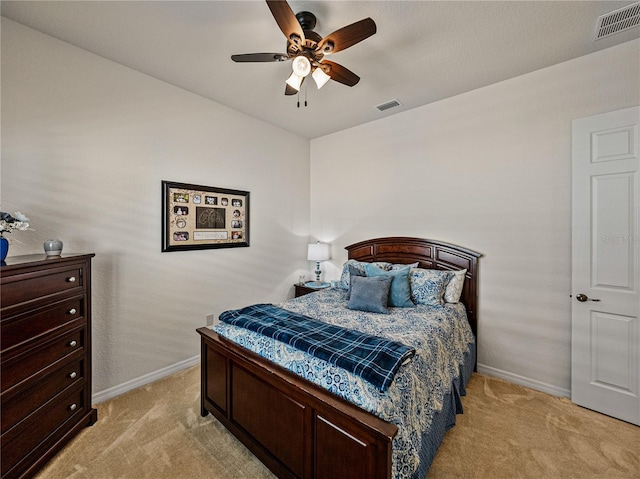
(431, 255)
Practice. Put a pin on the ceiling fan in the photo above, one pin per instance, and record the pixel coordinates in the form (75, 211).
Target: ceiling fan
(307, 49)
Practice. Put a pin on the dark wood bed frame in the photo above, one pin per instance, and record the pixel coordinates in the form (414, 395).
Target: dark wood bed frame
(297, 429)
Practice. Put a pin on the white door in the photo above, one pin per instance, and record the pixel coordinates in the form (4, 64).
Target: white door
(605, 333)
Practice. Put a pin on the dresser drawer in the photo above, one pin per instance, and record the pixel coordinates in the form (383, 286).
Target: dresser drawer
(25, 365)
(29, 286)
(28, 441)
(30, 325)
(15, 407)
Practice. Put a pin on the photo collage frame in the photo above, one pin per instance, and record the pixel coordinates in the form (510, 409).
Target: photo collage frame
(203, 217)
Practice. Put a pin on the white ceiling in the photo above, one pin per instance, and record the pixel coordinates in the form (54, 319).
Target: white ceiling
(423, 51)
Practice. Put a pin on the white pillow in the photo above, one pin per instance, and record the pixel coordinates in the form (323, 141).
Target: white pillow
(453, 291)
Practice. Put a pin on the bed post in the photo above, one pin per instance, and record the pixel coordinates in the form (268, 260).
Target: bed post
(203, 376)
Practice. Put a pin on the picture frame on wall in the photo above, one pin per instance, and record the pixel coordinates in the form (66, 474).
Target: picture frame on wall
(198, 217)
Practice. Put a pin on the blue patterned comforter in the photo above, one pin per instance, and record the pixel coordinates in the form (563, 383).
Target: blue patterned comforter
(441, 337)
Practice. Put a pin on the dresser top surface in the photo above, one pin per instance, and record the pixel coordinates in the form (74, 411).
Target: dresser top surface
(39, 259)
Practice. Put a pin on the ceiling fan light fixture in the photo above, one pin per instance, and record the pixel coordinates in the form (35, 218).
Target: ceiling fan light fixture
(301, 66)
(306, 48)
(320, 77)
(294, 81)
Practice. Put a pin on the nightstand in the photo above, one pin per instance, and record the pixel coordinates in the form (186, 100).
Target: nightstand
(302, 289)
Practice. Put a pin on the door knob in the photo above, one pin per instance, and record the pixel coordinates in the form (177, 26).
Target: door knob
(583, 297)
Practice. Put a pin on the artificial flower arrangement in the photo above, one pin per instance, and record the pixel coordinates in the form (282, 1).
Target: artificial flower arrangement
(9, 223)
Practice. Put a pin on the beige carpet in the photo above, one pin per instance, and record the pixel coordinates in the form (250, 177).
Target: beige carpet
(512, 432)
(507, 431)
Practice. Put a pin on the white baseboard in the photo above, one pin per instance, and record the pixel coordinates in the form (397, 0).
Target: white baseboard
(524, 381)
(114, 391)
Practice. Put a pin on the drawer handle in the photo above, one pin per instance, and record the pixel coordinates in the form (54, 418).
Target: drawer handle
(72, 343)
(73, 407)
(73, 311)
(71, 279)
(73, 375)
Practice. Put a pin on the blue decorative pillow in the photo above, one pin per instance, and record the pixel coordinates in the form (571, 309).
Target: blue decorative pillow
(400, 294)
(345, 276)
(428, 285)
(353, 271)
(370, 294)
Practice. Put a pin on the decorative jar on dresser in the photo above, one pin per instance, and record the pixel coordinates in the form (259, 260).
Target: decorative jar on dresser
(45, 358)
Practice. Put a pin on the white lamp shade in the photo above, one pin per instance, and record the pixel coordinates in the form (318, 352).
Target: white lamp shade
(318, 252)
(301, 66)
(320, 77)
(294, 81)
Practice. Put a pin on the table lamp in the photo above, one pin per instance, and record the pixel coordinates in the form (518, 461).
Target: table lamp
(317, 252)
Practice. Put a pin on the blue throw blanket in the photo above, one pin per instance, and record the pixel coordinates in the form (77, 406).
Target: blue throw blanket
(374, 359)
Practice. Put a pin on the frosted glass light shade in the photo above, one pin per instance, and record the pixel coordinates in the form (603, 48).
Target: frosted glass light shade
(318, 252)
(320, 77)
(301, 66)
(294, 81)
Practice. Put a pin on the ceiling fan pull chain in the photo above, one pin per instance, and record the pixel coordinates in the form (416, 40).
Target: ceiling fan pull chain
(305, 96)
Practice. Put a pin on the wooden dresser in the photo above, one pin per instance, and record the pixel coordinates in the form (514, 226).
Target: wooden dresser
(45, 358)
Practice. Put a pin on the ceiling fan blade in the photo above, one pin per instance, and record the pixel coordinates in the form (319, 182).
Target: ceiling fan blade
(285, 18)
(347, 36)
(341, 74)
(260, 57)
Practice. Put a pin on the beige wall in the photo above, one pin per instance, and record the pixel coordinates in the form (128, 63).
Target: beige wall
(489, 170)
(85, 145)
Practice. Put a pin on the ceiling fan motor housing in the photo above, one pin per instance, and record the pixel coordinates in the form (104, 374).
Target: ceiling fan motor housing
(295, 47)
(307, 20)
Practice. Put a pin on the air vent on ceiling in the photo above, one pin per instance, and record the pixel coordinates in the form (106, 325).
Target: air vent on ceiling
(387, 105)
(618, 20)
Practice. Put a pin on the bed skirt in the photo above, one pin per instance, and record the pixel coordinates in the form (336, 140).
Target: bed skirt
(446, 419)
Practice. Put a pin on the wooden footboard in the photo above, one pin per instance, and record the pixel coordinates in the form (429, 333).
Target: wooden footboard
(298, 430)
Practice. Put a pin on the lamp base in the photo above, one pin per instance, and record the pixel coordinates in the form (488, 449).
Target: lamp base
(318, 272)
